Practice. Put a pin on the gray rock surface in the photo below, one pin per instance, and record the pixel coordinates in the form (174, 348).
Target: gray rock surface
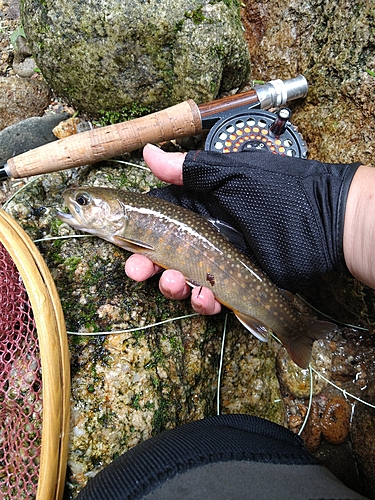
(25, 68)
(21, 98)
(13, 11)
(28, 134)
(109, 54)
(23, 65)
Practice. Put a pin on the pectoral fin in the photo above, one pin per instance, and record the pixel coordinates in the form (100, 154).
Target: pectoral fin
(131, 245)
(253, 326)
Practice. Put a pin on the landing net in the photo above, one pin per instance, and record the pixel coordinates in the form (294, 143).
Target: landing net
(20, 387)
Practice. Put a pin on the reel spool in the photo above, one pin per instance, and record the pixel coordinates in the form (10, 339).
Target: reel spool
(257, 129)
(34, 372)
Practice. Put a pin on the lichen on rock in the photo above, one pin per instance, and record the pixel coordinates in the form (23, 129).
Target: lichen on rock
(108, 55)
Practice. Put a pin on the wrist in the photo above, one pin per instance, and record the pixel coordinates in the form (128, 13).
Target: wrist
(359, 226)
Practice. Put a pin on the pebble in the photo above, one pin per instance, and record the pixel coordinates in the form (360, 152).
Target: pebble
(312, 432)
(25, 68)
(71, 126)
(335, 422)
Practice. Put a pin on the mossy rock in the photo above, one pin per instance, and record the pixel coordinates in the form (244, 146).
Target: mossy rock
(110, 55)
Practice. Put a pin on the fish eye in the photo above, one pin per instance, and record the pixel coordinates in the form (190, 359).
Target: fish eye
(83, 199)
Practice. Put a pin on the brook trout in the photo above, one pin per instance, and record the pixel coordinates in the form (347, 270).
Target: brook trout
(176, 238)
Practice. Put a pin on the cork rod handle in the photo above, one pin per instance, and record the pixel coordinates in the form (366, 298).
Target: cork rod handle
(181, 120)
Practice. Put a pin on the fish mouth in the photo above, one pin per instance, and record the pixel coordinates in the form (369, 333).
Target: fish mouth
(69, 219)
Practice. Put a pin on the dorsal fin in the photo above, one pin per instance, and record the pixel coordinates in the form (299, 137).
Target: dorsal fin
(229, 233)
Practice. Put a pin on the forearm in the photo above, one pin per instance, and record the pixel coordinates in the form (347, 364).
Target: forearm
(359, 226)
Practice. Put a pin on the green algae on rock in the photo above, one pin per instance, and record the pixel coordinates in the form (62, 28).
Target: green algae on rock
(108, 55)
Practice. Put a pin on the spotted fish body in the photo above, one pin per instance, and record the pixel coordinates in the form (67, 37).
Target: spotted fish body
(176, 238)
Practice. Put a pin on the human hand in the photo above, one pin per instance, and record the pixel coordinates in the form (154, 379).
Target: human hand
(168, 167)
(290, 212)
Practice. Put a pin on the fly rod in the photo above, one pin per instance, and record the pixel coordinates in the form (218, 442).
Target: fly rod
(181, 120)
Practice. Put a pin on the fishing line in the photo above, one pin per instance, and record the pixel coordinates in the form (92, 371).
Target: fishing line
(135, 329)
(68, 237)
(130, 164)
(310, 401)
(112, 332)
(330, 317)
(219, 375)
(22, 188)
(343, 391)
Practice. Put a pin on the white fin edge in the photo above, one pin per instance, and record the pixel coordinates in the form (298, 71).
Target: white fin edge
(258, 330)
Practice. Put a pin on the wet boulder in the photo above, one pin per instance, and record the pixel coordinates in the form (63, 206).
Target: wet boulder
(137, 56)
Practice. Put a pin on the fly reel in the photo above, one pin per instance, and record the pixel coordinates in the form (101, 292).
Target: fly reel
(257, 129)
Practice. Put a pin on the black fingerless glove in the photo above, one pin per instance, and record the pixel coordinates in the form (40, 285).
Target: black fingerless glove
(289, 210)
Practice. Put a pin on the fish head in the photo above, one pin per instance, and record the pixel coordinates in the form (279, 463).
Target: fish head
(93, 210)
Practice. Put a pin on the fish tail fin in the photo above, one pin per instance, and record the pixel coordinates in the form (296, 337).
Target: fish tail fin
(300, 346)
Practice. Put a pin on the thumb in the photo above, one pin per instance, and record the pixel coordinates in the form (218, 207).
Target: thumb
(166, 166)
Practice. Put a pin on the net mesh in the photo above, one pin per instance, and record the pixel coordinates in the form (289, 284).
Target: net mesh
(20, 387)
